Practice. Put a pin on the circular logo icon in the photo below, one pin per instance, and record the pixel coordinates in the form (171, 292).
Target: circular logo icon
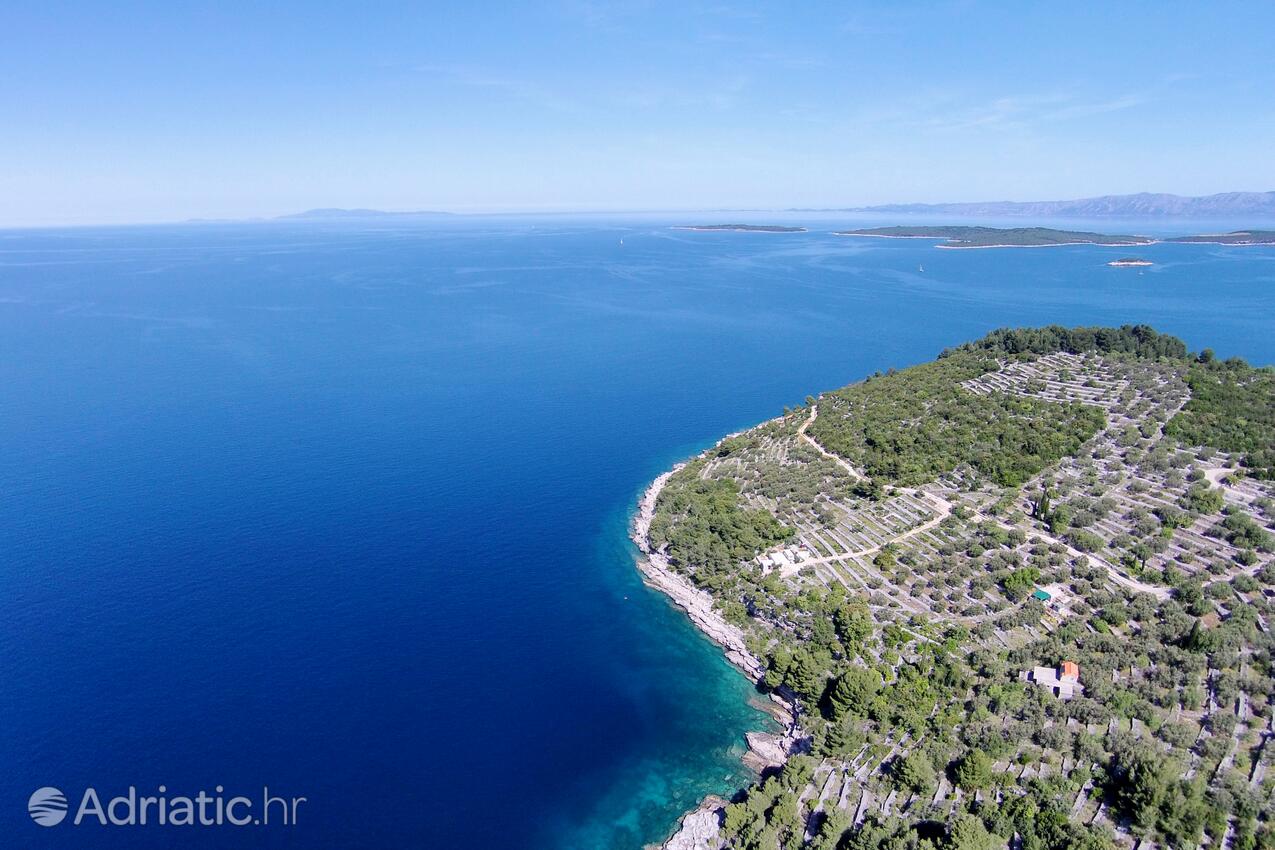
(47, 806)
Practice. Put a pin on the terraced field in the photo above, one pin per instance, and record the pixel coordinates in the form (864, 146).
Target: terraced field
(1155, 565)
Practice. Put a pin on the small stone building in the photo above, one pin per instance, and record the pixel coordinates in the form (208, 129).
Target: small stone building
(1062, 681)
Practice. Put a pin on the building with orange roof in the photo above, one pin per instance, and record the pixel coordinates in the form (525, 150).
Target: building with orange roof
(1062, 681)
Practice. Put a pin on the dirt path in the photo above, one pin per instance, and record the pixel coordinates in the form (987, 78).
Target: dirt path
(944, 509)
(938, 503)
(810, 441)
(1115, 573)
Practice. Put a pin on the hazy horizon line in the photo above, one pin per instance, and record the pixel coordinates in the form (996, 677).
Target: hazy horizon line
(584, 209)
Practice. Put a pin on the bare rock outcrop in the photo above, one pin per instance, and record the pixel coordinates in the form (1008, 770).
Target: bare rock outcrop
(766, 750)
(701, 829)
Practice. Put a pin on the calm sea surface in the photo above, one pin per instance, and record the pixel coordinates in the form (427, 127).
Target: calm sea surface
(341, 509)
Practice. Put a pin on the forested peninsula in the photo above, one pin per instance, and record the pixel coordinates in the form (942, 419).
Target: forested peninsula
(1018, 596)
(1234, 237)
(963, 236)
(998, 237)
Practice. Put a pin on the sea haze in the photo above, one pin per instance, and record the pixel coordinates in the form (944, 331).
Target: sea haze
(340, 508)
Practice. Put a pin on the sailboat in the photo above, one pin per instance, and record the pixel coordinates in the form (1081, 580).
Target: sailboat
(920, 268)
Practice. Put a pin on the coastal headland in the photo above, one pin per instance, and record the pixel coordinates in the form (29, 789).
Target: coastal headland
(970, 236)
(997, 237)
(1038, 237)
(989, 586)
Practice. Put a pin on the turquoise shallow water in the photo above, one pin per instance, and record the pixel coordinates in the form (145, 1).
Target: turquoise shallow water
(341, 509)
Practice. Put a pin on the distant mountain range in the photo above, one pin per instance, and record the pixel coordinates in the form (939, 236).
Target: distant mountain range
(1144, 204)
(337, 212)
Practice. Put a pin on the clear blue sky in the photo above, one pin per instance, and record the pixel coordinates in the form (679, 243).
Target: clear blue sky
(168, 110)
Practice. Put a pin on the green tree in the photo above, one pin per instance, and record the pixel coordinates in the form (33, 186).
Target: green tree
(777, 669)
(853, 692)
(1041, 506)
(968, 833)
(915, 772)
(853, 622)
(842, 737)
(1017, 582)
(807, 676)
(831, 830)
(1140, 780)
(797, 772)
(974, 771)
(1203, 499)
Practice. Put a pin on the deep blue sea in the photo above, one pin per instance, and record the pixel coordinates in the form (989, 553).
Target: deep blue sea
(340, 509)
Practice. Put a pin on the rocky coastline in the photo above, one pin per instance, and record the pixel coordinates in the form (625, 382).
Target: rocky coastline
(699, 829)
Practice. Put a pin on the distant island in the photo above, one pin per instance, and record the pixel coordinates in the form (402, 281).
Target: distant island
(997, 237)
(339, 213)
(1235, 237)
(963, 236)
(1130, 261)
(743, 228)
(1144, 204)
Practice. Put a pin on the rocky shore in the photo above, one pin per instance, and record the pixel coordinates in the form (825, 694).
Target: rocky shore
(697, 604)
(699, 829)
